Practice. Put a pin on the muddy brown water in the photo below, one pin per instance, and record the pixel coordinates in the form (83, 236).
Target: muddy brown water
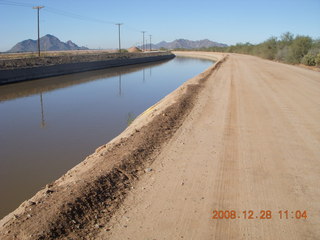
(49, 125)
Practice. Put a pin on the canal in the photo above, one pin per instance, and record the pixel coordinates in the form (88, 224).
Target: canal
(49, 125)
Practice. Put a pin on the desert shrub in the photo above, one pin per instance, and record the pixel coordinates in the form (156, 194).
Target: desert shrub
(317, 59)
(286, 40)
(309, 60)
(282, 54)
(287, 48)
(268, 49)
(311, 57)
(299, 47)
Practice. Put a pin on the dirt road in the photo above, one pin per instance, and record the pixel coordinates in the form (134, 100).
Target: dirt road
(252, 142)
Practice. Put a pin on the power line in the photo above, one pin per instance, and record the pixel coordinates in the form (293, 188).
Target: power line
(132, 28)
(18, 4)
(71, 15)
(76, 16)
(57, 11)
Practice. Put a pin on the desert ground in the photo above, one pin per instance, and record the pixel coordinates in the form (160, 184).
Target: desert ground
(252, 142)
(242, 137)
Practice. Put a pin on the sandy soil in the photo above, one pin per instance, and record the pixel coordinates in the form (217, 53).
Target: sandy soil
(252, 142)
(242, 136)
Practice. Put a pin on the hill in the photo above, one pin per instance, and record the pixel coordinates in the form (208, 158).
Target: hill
(187, 44)
(47, 43)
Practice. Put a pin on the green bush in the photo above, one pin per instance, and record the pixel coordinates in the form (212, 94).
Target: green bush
(287, 48)
(309, 60)
(268, 49)
(299, 47)
(317, 59)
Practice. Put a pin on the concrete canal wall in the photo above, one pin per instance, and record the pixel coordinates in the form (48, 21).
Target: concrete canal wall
(41, 69)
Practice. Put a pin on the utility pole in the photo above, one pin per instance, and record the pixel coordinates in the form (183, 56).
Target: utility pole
(119, 24)
(38, 10)
(150, 42)
(143, 32)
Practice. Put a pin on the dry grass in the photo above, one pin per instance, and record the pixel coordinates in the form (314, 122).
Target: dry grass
(52, 53)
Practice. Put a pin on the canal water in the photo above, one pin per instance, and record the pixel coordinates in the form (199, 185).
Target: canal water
(49, 125)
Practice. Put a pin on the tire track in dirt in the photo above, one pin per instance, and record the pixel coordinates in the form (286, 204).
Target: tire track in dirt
(227, 182)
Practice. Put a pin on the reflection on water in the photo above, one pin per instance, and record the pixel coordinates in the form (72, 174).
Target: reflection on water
(43, 123)
(49, 125)
(24, 89)
(130, 118)
(120, 84)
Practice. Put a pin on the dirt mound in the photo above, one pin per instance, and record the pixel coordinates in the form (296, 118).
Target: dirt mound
(134, 50)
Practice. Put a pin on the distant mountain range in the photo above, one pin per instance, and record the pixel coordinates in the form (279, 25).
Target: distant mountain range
(187, 44)
(47, 43)
(52, 43)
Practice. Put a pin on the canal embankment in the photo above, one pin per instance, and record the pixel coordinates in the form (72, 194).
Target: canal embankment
(85, 198)
(23, 69)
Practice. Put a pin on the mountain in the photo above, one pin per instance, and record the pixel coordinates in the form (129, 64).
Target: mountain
(187, 44)
(47, 43)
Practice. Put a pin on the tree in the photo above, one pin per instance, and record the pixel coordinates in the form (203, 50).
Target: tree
(299, 47)
(269, 48)
(286, 38)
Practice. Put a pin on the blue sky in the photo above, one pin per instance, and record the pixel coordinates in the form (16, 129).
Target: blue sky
(91, 23)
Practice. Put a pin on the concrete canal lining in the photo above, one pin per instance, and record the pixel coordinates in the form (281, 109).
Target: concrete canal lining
(19, 74)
